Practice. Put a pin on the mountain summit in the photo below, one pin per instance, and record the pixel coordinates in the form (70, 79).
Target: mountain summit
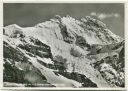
(63, 52)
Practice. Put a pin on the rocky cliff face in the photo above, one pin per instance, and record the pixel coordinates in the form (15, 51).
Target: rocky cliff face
(63, 52)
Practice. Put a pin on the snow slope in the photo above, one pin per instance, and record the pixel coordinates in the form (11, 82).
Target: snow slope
(65, 44)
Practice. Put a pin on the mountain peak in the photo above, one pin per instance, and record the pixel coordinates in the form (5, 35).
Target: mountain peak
(12, 30)
(64, 52)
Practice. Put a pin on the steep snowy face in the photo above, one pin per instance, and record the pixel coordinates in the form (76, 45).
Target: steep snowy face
(64, 52)
(29, 61)
(86, 27)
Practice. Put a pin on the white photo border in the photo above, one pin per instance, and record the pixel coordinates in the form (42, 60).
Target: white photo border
(125, 2)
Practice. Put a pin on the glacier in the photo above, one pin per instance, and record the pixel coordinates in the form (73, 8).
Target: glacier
(63, 52)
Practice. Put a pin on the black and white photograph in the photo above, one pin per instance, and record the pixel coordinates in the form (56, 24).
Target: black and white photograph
(67, 45)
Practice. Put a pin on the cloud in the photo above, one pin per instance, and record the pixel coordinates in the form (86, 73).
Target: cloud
(104, 16)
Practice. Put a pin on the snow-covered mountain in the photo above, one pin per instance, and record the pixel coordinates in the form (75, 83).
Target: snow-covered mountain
(63, 52)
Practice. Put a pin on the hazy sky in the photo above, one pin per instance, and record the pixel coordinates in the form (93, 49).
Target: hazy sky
(27, 15)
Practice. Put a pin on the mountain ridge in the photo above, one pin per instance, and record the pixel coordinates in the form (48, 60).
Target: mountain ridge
(69, 45)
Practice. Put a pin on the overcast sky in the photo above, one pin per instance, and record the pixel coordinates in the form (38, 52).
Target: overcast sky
(27, 15)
